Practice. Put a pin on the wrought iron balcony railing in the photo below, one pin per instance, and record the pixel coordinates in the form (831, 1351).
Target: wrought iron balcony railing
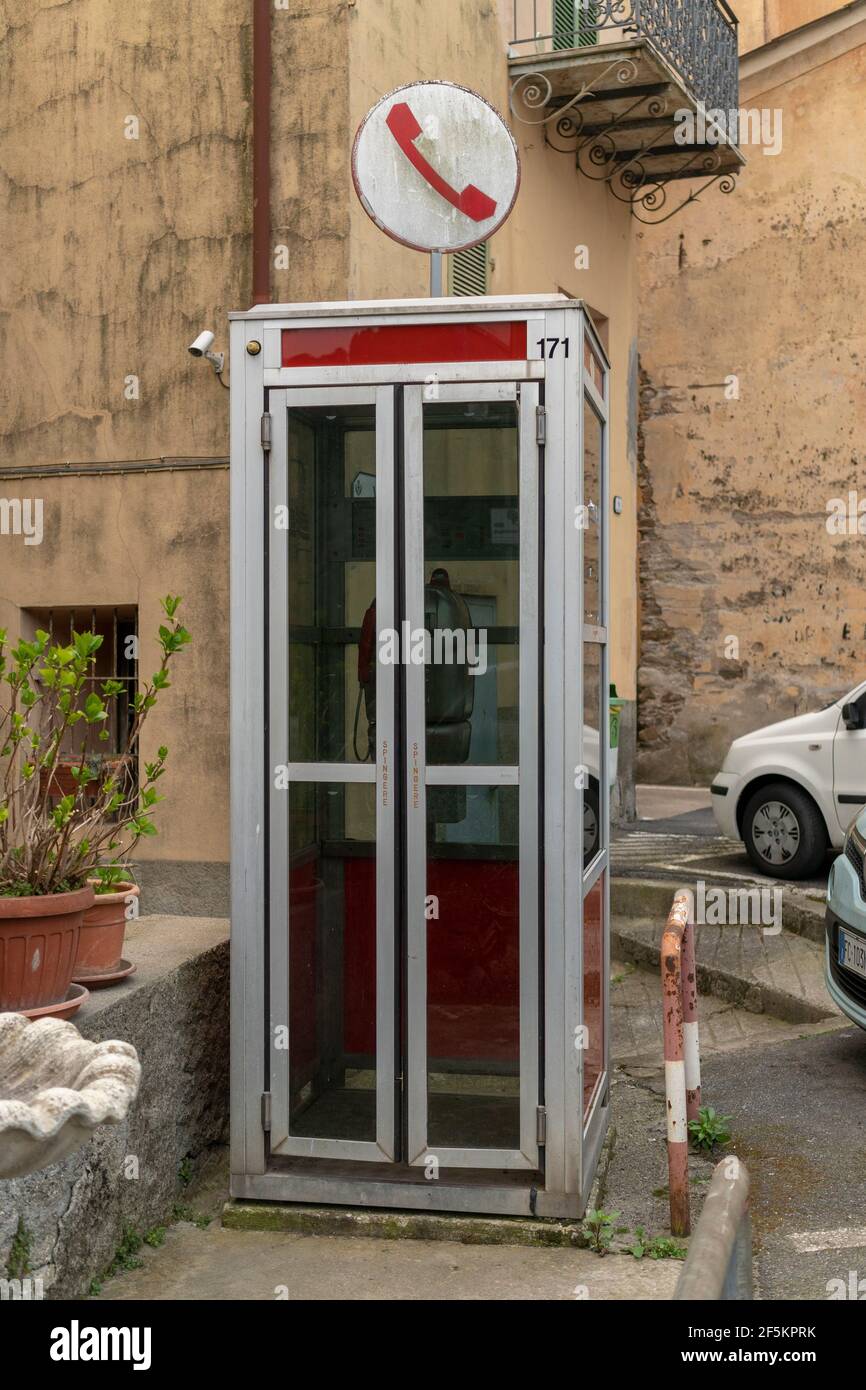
(642, 94)
(698, 38)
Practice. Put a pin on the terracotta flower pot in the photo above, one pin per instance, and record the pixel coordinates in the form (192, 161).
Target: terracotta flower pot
(100, 945)
(38, 944)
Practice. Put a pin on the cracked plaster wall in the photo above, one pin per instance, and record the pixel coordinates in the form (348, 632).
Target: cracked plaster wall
(768, 285)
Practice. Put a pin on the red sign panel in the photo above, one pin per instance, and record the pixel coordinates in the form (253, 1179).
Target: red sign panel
(399, 344)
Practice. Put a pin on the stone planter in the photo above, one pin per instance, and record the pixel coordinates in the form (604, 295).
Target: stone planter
(100, 944)
(38, 945)
(55, 1088)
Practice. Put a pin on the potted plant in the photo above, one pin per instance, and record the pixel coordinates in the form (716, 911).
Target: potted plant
(49, 853)
(99, 960)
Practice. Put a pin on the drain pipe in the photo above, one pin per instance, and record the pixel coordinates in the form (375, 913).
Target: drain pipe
(262, 151)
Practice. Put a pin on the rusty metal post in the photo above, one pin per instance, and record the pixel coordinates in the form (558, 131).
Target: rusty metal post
(691, 1043)
(675, 1067)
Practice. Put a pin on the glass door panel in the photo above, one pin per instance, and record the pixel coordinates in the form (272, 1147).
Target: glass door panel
(331, 741)
(594, 750)
(470, 488)
(593, 441)
(472, 581)
(473, 969)
(468, 653)
(332, 582)
(332, 960)
(594, 908)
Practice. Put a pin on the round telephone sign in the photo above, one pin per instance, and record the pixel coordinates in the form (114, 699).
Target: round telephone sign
(435, 166)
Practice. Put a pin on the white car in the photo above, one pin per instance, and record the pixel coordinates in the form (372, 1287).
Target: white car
(790, 790)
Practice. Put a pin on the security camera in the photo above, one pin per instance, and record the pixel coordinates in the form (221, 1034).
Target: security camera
(201, 345)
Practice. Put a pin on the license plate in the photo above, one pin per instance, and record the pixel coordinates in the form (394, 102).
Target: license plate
(852, 952)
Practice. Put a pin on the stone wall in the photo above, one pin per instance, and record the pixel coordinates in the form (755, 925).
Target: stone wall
(753, 419)
(72, 1216)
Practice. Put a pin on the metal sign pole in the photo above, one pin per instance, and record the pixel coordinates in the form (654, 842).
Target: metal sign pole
(435, 274)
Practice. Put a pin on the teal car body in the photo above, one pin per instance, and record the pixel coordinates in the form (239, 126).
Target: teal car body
(845, 944)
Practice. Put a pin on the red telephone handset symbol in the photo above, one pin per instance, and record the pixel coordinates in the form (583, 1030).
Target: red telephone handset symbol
(405, 130)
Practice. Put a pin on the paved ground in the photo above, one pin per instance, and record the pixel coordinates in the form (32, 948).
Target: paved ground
(218, 1264)
(243, 1265)
(669, 803)
(798, 1108)
(779, 973)
(795, 1091)
(637, 1022)
(799, 1123)
(676, 829)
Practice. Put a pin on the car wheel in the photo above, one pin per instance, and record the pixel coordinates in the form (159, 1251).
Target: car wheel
(590, 822)
(784, 832)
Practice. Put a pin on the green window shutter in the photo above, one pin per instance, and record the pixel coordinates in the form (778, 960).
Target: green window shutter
(587, 26)
(575, 23)
(470, 270)
(563, 23)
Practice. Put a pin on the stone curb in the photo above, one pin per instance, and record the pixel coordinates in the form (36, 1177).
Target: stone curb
(383, 1225)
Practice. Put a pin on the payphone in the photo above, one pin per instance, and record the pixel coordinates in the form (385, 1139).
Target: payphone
(449, 691)
(420, 676)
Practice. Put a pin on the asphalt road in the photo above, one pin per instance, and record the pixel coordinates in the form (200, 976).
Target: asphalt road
(702, 823)
(799, 1124)
(798, 1112)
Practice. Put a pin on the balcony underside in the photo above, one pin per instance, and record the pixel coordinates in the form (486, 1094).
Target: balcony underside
(621, 111)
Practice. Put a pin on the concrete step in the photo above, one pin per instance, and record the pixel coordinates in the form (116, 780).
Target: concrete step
(781, 974)
(651, 895)
(637, 1023)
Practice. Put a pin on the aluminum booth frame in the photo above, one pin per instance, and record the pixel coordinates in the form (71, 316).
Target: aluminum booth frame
(381, 1058)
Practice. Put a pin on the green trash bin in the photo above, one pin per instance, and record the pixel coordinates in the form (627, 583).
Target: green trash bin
(615, 711)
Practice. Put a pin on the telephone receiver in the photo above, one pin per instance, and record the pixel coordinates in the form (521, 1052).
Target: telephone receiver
(405, 129)
(449, 690)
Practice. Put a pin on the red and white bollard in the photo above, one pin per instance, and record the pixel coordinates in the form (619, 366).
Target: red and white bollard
(682, 1051)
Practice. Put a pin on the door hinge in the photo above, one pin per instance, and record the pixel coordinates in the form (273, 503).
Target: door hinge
(540, 425)
(266, 1111)
(541, 1126)
(266, 433)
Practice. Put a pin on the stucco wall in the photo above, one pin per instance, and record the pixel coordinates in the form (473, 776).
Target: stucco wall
(117, 251)
(751, 611)
(130, 540)
(761, 21)
(311, 137)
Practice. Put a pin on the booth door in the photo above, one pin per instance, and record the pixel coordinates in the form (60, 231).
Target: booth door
(470, 488)
(598, 758)
(403, 750)
(332, 895)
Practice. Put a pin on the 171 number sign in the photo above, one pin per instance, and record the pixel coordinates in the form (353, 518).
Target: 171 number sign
(548, 346)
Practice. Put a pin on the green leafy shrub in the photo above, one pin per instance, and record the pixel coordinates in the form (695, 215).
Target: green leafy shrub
(598, 1226)
(46, 695)
(710, 1129)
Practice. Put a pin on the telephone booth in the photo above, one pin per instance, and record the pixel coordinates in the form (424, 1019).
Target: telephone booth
(420, 754)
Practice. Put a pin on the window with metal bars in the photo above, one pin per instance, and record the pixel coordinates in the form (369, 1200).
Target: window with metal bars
(117, 659)
(575, 23)
(469, 271)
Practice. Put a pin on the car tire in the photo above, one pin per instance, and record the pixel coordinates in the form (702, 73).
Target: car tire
(784, 832)
(591, 837)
